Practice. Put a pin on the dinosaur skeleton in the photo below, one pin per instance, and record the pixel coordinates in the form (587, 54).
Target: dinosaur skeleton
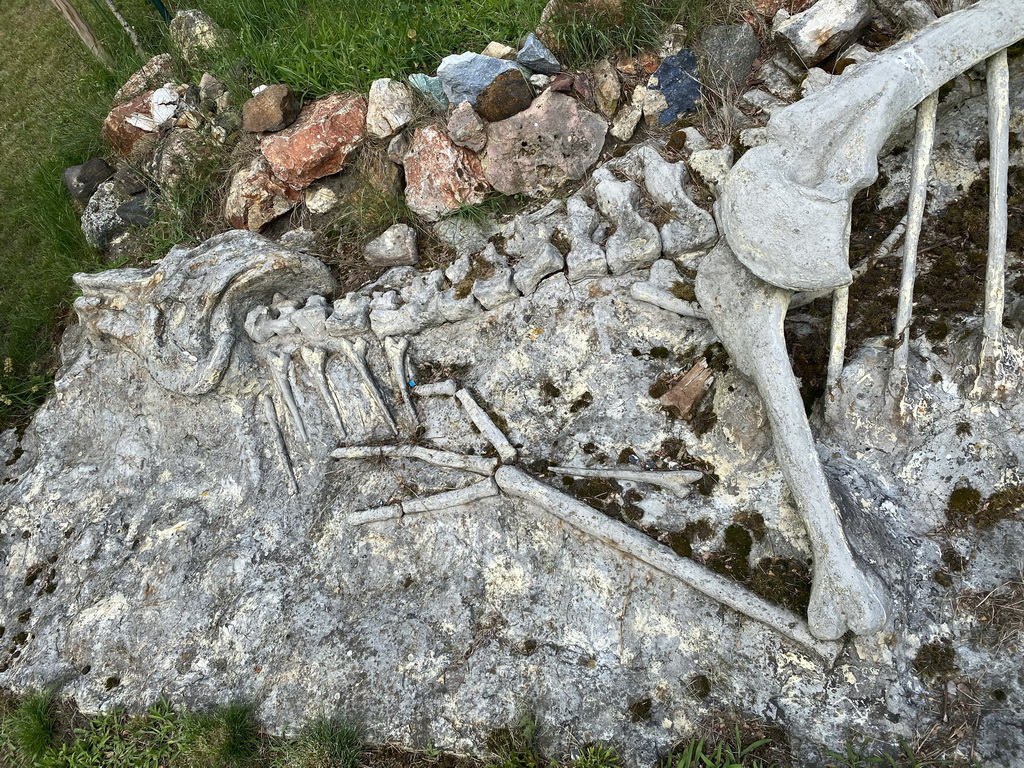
(785, 212)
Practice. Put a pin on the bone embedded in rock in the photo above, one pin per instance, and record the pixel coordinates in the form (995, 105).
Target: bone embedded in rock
(486, 426)
(635, 544)
(663, 299)
(280, 366)
(479, 465)
(989, 380)
(270, 413)
(375, 514)
(315, 359)
(395, 349)
(439, 502)
(676, 482)
(355, 352)
(446, 388)
(686, 394)
(923, 143)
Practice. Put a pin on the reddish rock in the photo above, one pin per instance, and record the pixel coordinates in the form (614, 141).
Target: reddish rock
(539, 150)
(120, 134)
(153, 74)
(319, 142)
(441, 177)
(272, 109)
(256, 197)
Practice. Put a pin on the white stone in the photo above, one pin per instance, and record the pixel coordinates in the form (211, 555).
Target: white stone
(389, 108)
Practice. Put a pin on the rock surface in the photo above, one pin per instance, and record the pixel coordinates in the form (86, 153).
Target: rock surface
(536, 57)
(430, 89)
(272, 109)
(257, 197)
(823, 28)
(319, 142)
(507, 94)
(395, 247)
(729, 52)
(538, 150)
(463, 76)
(607, 88)
(389, 108)
(194, 33)
(441, 177)
(154, 73)
(466, 128)
(120, 130)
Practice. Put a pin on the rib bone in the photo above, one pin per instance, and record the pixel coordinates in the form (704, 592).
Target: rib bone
(676, 482)
(279, 364)
(486, 426)
(989, 380)
(356, 354)
(479, 465)
(446, 388)
(315, 359)
(635, 544)
(395, 349)
(282, 448)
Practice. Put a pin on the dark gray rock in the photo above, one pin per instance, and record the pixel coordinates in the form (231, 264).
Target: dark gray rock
(82, 180)
(137, 212)
(674, 89)
(535, 56)
(729, 51)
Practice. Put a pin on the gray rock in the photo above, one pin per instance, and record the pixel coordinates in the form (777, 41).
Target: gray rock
(463, 76)
(539, 150)
(299, 239)
(536, 57)
(465, 236)
(430, 89)
(136, 212)
(194, 34)
(585, 258)
(274, 108)
(82, 180)
(395, 247)
(627, 118)
(822, 29)
(398, 147)
(351, 316)
(100, 222)
(729, 52)
(782, 76)
(154, 73)
(497, 288)
(179, 154)
(210, 90)
(635, 244)
(541, 261)
(389, 108)
(466, 128)
(712, 165)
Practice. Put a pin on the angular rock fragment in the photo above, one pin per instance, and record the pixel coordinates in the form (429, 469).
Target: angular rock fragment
(494, 287)
(441, 177)
(499, 51)
(729, 51)
(179, 154)
(712, 165)
(624, 125)
(463, 76)
(154, 73)
(389, 108)
(121, 131)
(256, 197)
(319, 142)
(536, 57)
(272, 109)
(82, 180)
(673, 90)
(822, 29)
(466, 128)
(393, 248)
(607, 88)
(101, 222)
(542, 148)
(194, 33)
(430, 89)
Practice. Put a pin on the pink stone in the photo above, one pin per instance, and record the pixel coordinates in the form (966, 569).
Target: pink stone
(441, 177)
(319, 142)
(256, 197)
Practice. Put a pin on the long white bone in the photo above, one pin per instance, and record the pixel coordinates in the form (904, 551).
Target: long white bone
(280, 364)
(446, 388)
(989, 380)
(665, 300)
(315, 359)
(282, 448)
(480, 465)
(439, 502)
(635, 544)
(924, 139)
(395, 349)
(486, 426)
(355, 352)
(677, 482)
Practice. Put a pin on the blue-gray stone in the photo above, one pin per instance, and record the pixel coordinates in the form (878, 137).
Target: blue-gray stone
(430, 89)
(677, 80)
(463, 76)
(535, 56)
